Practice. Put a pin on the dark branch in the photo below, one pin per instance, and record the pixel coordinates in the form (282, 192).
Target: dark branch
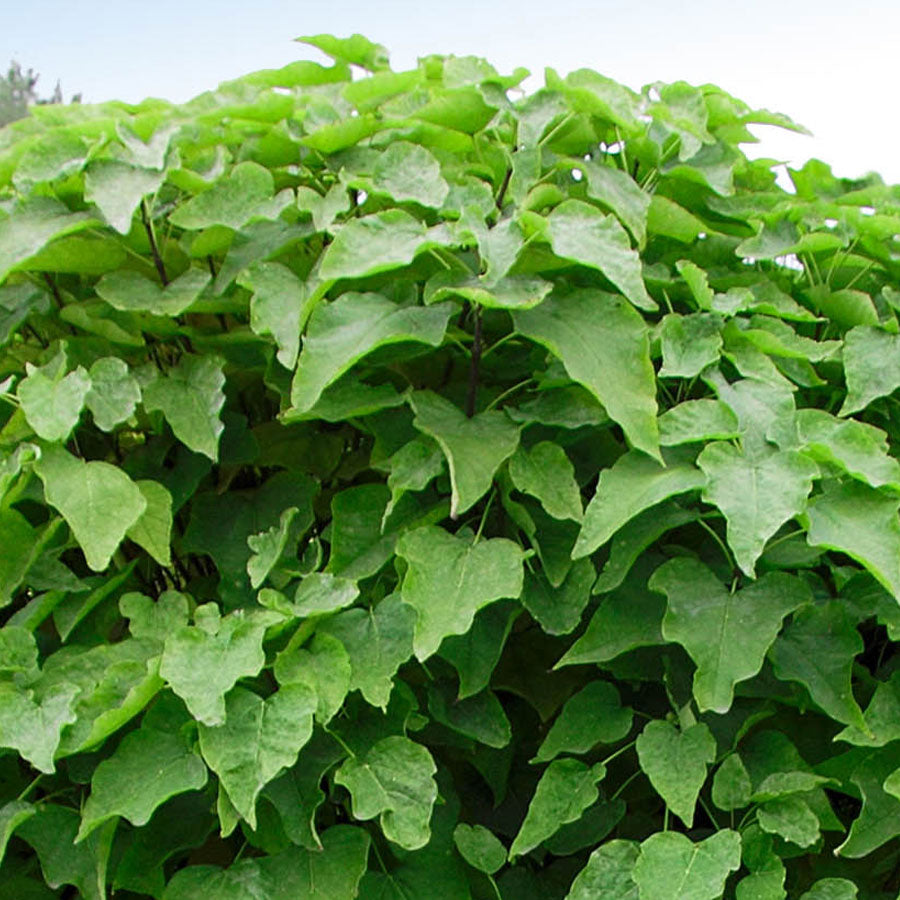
(157, 259)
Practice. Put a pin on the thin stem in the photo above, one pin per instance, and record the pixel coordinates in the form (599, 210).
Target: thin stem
(30, 785)
(339, 739)
(499, 343)
(618, 752)
(552, 133)
(154, 250)
(504, 185)
(784, 537)
(666, 819)
(722, 546)
(54, 290)
(484, 513)
(625, 783)
(490, 878)
(506, 393)
(474, 365)
(708, 812)
(439, 258)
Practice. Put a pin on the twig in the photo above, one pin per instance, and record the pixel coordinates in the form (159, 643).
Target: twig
(157, 259)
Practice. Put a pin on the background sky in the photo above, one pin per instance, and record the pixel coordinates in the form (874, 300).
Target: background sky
(832, 66)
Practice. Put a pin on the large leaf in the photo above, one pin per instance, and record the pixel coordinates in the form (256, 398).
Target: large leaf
(203, 661)
(52, 401)
(258, 739)
(581, 232)
(98, 501)
(545, 472)
(474, 447)
(117, 189)
(632, 485)
(871, 366)
(607, 875)
(757, 494)
(603, 344)
(395, 780)
(131, 292)
(566, 789)
(191, 398)
(676, 762)
(449, 579)
(672, 867)
(332, 873)
(120, 785)
(342, 332)
(861, 522)
(726, 633)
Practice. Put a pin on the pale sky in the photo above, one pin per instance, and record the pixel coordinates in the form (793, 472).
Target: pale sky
(831, 65)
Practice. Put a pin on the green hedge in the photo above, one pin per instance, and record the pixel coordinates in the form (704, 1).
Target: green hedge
(416, 488)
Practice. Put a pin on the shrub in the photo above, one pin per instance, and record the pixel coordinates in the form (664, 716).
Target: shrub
(416, 489)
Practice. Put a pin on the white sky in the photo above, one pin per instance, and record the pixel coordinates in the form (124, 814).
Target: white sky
(831, 65)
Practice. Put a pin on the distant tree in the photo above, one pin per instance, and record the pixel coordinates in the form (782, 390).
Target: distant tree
(18, 91)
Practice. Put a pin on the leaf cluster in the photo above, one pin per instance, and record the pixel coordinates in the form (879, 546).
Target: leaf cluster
(410, 487)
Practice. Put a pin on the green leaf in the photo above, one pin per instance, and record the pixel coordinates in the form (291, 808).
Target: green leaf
(412, 468)
(332, 873)
(672, 867)
(671, 220)
(32, 726)
(51, 832)
(882, 717)
(324, 667)
(322, 592)
(32, 226)
(202, 662)
(14, 813)
(545, 472)
(154, 620)
(620, 193)
(697, 280)
(268, 547)
(378, 640)
(689, 344)
(726, 633)
(474, 447)
(395, 781)
(632, 485)
(190, 396)
(859, 449)
(99, 501)
(629, 617)
(355, 50)
(278, 307)
(756, 493)
(113, 394)
(592, 716)
(117, 189)
(817, 649)
(508, 292)
(831, 889)
(861, 522)
(580, 232)
(731, 788)
(120, 785)
(342, 332)
(130, 291)
(877, 822)
(697, 420)
(676, 762)
(558, 610)
(243, 194)
(604, 345)
(52, 401)
(566, 789)
(407, 171)
(479, 847)
(480, 717)
(258, 739)
(790, 818)
(377, 243)
(449, 579)
(871, 366)
(607, 875)
(153, 530)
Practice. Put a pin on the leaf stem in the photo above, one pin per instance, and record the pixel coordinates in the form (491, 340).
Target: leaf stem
(30, 785)
(339, 739)
(151, 237)
(618, 752)
(506, 393)
(722, 546)
(708, 812)
(490, 878)
(484, 513)
(625, 783)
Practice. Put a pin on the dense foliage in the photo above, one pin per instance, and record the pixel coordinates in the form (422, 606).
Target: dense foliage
(412, 488)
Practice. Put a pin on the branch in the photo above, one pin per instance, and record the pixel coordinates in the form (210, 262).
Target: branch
(157, 259)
